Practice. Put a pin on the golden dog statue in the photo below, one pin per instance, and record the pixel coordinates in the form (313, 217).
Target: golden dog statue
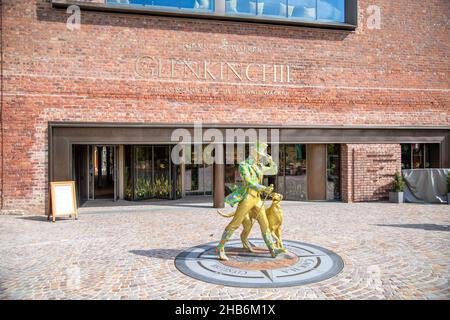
(274, 216)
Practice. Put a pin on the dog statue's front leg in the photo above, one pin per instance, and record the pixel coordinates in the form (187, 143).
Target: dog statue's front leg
(246, 244)
(247, 224)
(277, 236)
(277, 240)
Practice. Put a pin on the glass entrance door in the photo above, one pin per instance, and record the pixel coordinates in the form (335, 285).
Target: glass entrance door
(80, 172)
(143, 172)
(162, 172)
(150, 173)
(305, 172)
(197, 177)
(294, 171)
(103, 172)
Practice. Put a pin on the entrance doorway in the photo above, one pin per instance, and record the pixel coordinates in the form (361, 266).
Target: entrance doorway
(95, 171)
(103, 173)
(198, 178)
(80, 172)
(291, 179)
(144, 172)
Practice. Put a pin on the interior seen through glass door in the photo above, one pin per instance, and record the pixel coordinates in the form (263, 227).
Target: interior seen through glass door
(104, 172)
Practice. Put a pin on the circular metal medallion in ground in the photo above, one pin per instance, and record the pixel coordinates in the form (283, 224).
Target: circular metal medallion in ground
(303, 263)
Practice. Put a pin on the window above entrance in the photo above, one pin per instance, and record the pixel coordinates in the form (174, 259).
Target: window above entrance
(193, 5)
(338, 14)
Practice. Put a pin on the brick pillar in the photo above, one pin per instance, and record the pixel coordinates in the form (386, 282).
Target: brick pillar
(367, 171)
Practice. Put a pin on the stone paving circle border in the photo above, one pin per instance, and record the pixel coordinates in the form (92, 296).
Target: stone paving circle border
(315, 264)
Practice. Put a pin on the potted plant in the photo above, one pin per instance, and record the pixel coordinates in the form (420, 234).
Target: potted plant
(448, 188)
(396, 195)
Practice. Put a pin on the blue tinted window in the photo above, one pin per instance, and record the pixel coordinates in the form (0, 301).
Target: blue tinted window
(273, 7)
(256, 7)
(204, 4)
(187, 4)
(331, 10)
(322, 10)
(200, 5)
(163, 3)
(302, 9)
(136, 2)
(240, 6)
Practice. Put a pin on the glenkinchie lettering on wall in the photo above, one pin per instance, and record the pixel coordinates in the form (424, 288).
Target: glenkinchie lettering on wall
(151, 67)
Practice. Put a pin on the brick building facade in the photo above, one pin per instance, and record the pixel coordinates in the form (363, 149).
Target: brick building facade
(367, 90)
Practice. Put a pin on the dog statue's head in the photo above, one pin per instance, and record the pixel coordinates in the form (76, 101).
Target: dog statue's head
(276, 197)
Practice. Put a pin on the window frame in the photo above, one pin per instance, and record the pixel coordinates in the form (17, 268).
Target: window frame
(350, 22)
(425, 148)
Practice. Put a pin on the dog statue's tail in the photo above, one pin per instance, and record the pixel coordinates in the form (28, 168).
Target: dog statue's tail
(226, 215)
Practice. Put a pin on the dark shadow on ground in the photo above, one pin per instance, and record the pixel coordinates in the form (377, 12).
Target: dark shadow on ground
(43, 218)
(167, 254)
(203, 202)
(423, 226)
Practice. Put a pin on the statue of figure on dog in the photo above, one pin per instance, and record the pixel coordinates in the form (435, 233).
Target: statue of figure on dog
(251, 207)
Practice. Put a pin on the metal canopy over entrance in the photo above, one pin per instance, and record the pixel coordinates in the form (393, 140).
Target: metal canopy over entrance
(94, 155)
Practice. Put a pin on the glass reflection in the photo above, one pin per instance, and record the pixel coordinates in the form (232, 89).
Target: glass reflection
(143, 172)
(163, 3)
(281, 169)
(406, 156)
(162, 184)
(322, 10)
(274, 7)
(331, 10)
(199, 5)
(302, 9)
(295, 172)
(128, 193)
(197, 177)
(333, 172)
(432, 155)
(150, 174)
(178, 181)
(240, 6)
(417, 156)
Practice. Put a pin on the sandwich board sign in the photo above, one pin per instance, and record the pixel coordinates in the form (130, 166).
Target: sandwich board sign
(62, 200)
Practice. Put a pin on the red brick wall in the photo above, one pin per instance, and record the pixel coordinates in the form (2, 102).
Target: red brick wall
(368, 170)
(396, 76)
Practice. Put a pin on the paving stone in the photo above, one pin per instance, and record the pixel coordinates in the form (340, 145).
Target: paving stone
(390, 252)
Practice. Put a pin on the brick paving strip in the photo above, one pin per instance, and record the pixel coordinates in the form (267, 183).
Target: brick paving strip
(390, 252)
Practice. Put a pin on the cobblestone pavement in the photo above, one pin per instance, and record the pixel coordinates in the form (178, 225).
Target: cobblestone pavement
(390, 252)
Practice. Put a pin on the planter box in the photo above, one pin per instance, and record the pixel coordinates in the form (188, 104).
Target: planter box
(396, 197)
